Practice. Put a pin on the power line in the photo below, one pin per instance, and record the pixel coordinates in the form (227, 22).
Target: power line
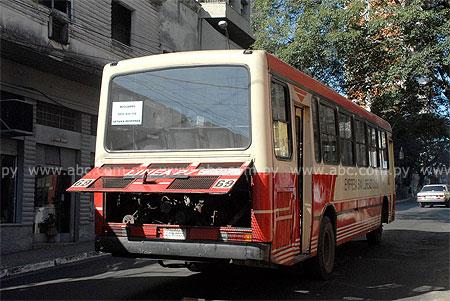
(195, 109)
(133, 34)
(197, 83)
(75, 17)
(131, 46)
(38, 91)
(112, 50)
(67, 53)
(62, 54)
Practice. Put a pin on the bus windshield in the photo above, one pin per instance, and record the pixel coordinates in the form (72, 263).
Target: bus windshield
(189, 108)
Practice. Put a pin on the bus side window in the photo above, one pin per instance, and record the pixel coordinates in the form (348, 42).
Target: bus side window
(346, 139)
(315, 120)
(383, 150)
(372, 135)
(361, 147)
(386, 151)
(328, 134)
(281, 121)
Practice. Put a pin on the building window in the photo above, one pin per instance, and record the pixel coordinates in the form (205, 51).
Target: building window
(315, 120)
(346, 139)
(94, 120)
(58, 23)
(120, 23)
(328, 134)
(58, 117)
(63, 6)
(281, 121)
(361, 145)
(58, 29)
(8, 188)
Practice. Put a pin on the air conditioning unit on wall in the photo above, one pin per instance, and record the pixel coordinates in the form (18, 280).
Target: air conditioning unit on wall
(16, 118)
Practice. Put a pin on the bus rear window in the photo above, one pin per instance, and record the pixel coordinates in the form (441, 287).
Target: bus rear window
(191, 108)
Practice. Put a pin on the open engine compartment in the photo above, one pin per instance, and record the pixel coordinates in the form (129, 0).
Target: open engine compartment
(184, 209)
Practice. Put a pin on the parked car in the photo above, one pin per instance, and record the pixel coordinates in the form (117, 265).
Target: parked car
(436, 194)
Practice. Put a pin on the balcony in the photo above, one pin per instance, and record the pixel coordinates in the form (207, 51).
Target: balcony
(236, 13)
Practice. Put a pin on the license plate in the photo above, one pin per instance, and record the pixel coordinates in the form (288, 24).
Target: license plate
(179, 234)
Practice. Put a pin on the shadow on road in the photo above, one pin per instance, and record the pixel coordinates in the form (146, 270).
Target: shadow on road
(408, 263)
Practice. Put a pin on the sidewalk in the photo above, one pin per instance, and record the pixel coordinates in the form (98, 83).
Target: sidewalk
(45, 256)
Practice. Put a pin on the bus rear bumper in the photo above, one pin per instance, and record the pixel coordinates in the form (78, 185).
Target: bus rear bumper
(185, 250)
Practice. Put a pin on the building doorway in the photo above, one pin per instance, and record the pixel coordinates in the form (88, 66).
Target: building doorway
(52, 202)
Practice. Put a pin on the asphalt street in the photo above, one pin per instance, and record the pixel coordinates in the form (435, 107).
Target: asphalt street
(412, 263)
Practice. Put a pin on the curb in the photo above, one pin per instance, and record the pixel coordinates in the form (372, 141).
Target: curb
(17, 270)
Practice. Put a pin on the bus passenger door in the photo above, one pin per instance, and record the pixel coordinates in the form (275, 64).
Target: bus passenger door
(298, 223)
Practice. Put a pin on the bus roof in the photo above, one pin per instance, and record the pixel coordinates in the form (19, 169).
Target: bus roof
(276, 66)
(283, 69)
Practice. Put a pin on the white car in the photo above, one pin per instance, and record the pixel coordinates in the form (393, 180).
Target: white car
(436, 194)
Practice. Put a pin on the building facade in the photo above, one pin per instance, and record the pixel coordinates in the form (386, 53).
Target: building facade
(52, 55)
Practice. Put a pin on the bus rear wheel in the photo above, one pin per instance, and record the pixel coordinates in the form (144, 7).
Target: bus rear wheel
(322, 265)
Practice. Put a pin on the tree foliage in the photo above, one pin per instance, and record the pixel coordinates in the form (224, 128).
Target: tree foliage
(390, 55)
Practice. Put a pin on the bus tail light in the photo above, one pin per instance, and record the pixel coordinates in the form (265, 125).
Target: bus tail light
(235, 236)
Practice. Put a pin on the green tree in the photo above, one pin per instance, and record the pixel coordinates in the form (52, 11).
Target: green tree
(392, 56)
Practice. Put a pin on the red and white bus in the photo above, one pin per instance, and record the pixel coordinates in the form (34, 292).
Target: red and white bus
(234, 156)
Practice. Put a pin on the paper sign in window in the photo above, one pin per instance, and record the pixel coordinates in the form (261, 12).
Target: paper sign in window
(126, 113)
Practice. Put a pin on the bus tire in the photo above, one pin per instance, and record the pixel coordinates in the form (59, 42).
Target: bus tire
(374, 236)
(321, 266)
